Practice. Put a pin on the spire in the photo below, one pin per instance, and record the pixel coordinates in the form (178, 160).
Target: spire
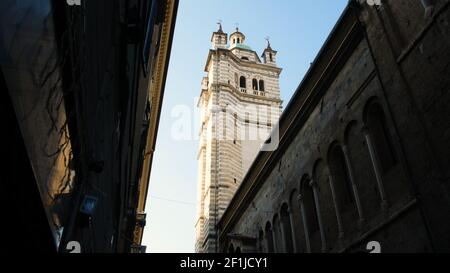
(268, 43)
(220, 26)
(269, 55)
(219, 38)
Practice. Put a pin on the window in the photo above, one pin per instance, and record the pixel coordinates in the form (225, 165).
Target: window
(238, 40)
(245, 58)
(242, 82)
(341, 179)
(376, 123)
(310, 208)
(271, 57)
(255, 84)
(261, 85)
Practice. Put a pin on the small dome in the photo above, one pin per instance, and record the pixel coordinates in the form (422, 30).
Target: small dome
(237, 38)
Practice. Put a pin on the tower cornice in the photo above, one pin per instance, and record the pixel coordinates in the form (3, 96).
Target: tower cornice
(240, 62)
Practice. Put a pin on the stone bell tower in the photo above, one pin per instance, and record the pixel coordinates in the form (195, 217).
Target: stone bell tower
(240, 104)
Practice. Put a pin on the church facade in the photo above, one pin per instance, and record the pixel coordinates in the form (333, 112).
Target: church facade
(364, 153)
(240, 104)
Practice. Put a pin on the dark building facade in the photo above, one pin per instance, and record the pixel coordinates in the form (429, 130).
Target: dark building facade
(82, 84)
(364, 151)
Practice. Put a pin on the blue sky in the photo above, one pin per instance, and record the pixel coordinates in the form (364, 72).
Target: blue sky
(297, 30)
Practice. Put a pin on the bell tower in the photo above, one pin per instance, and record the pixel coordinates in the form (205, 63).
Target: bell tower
(219, 38)
(239, 105)
(269, 55)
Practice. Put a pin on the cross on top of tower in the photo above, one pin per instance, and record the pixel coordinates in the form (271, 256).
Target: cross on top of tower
(268, 41)
(219, 22)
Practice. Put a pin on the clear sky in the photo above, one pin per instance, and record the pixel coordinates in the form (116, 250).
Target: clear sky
(297, 30)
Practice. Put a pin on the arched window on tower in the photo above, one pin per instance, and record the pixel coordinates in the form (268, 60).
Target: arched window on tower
(238, 40)
(261, 85)
(242, 82)
(271, 57)
(255, 84)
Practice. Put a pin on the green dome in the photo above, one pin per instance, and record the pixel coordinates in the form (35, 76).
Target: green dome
(242, 46)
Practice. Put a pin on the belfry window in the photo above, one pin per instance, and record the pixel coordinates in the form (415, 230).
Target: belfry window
(261, 85)
(255, 84)
(242, 82)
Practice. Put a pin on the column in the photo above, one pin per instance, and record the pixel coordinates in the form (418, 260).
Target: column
(283, 236)
(336, 207)
(376, 167)
(295, 245)
(305, 224)
(313, 185)
(352, 181)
